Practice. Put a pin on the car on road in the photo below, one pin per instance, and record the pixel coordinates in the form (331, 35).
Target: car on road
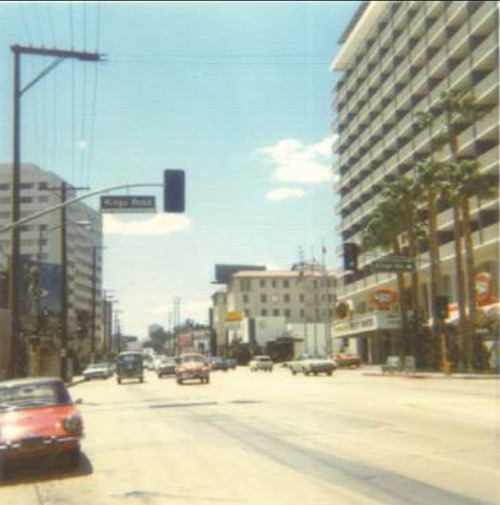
(347, 360)
(264, 363)
(311, 364)
(39, 419)
(192, 366)
(166, 367)
(129, 365)
(219, 363)
(97, 371)
(231, 363)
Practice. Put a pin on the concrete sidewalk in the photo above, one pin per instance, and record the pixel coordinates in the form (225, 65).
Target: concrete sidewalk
(377, 372)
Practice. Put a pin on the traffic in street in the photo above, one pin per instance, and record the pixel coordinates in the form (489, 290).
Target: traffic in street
(262, 438)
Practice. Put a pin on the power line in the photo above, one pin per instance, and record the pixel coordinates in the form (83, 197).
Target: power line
(25, 24)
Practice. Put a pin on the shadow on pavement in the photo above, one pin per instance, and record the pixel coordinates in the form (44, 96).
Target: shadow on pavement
(42, 470)
(174, 405)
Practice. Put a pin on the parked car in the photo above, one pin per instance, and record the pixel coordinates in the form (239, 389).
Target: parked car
(311, 364)
(261, 363)
(347, 360)
(231, 363)
(192, 366)
(219, 363)
(166, 367)
(97, 371)
(129, 365)
(38, 418)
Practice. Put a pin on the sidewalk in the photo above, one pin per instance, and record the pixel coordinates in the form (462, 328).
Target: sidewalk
(375, 371)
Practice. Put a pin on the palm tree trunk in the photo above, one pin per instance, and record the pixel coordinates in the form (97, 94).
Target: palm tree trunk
(435, 269)
(459, 274)
(470, 271)
(402, 306)
(414, 284)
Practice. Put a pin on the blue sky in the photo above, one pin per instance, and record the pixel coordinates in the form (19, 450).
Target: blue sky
(236, 93)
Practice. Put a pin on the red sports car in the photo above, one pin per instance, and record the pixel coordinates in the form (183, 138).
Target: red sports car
(38, 419)
(347, 360)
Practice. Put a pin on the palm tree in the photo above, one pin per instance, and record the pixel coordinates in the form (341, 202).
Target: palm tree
(404, 196)
(460, 108)
(383, 230)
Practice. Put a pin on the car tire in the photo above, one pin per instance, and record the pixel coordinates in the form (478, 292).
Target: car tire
(294, 372)
(207, 380)
(306, 373)
(119, 381)
(141, 379)
(329, 373)
(179, 381)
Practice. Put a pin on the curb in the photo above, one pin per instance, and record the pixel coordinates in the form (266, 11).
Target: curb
(425, 376)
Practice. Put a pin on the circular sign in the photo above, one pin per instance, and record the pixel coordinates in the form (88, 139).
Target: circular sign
(384, 298)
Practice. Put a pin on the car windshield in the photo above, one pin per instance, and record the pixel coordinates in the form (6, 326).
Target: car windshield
(193, 359)
(263, 358)
(33, 395)
(97, 366)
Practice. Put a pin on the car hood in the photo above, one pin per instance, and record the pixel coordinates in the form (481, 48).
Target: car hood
(319, 362)
(45, 421)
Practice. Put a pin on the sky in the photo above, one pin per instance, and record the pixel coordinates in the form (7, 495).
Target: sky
(237, 94)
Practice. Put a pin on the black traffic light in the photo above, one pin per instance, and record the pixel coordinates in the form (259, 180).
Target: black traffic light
(350, 256)
(173, 191)
(442, 307)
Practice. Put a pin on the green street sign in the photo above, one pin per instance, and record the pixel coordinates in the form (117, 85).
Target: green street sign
(393, 265)
(128, 204)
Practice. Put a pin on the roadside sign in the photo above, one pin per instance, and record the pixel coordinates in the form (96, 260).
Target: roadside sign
(393, 265)
(233, 317)
(128, 204)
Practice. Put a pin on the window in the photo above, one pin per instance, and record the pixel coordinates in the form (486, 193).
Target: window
(263, 298)
(42, 185)
(274, 283)
(4, 187)
(287, 298)
(43, 199)
(26, 199)
(246, 313)
(263, 312)
(262, 283)
(302, 313)
(286, 284)
(26, 185)
(245, 298)
(302, 298)
(276, 312)
(287, 313)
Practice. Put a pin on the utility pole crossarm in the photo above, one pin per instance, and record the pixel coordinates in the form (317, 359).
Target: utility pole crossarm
(58, 53)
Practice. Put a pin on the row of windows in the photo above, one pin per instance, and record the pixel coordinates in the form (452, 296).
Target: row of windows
(287, 313)
(25, 185)
(287, 298)
(246, 284)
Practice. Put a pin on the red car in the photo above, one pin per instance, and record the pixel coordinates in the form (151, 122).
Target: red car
(192, 367)
(38, 419)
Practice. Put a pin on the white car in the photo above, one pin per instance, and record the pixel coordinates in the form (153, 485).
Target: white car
(261, 363)
(97, 371)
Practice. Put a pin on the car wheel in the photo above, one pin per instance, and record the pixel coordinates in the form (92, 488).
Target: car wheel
(315, 374)
(179, 381)
(119, 381)
(294, 372)
(330, 373)
(141, 379)
(306, 373)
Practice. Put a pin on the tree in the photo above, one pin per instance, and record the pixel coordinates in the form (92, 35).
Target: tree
(383, 230)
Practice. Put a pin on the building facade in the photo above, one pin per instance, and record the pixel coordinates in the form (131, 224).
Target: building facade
(395, 60)
(41, 245)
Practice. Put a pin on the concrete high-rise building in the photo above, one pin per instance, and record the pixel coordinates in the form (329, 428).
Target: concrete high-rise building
(41, 242)
(395, 60)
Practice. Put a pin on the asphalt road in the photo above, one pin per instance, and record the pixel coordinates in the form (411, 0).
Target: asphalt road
(273, 438)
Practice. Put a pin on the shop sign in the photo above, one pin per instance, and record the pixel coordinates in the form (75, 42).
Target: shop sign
(384, 298)
(483, 289)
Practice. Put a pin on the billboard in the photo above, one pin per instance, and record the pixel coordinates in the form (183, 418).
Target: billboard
(223, 273)
(41, 285)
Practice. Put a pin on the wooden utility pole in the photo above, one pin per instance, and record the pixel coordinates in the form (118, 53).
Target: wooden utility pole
(14, 363)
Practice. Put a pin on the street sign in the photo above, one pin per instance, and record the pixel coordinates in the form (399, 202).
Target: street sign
(395, 265)
(128, 204)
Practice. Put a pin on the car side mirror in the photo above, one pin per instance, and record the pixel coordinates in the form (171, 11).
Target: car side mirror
(79, 401)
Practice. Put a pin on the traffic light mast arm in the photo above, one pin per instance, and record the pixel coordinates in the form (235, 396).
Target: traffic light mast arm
(48, 210)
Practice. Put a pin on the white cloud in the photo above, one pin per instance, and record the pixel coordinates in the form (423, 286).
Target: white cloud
(295, 162)
(285, 194)
(160, 224)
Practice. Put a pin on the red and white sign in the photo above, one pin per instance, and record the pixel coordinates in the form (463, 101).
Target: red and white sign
(186, 340)
(484, 295)
(383, 298)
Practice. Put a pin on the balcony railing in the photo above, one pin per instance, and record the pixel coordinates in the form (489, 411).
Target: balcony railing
(372, 321)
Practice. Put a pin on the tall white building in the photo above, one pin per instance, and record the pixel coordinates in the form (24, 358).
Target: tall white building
(395, 60)
(41, 241)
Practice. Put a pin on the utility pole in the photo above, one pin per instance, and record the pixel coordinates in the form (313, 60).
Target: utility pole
(15, 345)
(64, 288)
(94, 300)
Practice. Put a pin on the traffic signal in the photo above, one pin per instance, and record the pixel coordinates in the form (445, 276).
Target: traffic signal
(173, 191)
(350, 256)
(442, 307)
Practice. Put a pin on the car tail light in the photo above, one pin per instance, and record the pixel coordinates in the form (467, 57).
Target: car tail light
(73, 425)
